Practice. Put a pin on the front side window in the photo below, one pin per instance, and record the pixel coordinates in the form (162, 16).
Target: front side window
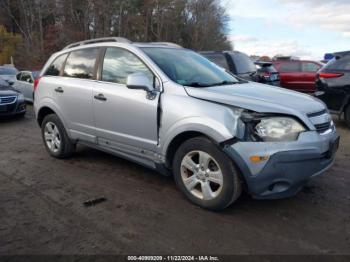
(119, 63)
(81, 63)
(309, 67)
(188, 68)
(56, 66)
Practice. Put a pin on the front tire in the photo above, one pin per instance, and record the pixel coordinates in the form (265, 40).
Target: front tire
(56, 140)
(206, 175)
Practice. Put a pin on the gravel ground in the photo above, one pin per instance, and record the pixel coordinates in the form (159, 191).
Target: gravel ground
(42, 212)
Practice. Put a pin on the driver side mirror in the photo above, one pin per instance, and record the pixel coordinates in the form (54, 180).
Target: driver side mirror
(139, 81)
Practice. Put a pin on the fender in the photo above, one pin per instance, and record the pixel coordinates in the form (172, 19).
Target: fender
(215, 130)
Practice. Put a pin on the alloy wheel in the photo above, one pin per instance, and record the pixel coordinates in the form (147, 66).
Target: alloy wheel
(201, 175)
(52, 137)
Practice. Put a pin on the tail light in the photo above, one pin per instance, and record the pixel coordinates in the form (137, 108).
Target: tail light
(329, 75)
(36, 82)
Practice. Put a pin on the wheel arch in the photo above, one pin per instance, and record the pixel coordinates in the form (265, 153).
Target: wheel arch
(178, 140)
(43, 112)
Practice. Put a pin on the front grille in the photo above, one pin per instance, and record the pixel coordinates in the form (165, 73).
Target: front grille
(323, 127)
(6, 100)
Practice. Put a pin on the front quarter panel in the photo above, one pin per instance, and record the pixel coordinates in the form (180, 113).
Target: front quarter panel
(182, 113)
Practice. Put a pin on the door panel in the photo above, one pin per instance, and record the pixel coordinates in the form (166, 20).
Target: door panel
(308, 76)
(122, 115)
(73, 91)
(127, 116)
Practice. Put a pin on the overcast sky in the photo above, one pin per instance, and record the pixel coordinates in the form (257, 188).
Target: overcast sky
(304, 28)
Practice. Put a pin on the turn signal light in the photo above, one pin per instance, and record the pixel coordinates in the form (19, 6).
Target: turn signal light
(256, 159)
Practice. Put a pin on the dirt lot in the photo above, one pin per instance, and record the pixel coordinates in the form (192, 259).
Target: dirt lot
(41, 207)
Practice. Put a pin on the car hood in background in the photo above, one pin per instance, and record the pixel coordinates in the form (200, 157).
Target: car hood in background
(7, 91)
(259, 98)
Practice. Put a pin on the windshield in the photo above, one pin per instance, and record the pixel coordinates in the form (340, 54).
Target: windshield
(188, 68)
(8, 71)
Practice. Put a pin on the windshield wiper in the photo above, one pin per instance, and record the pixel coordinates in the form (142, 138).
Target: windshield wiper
(197, 84)
(223, 83)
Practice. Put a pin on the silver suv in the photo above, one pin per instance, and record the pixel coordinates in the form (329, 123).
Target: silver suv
(172, 110)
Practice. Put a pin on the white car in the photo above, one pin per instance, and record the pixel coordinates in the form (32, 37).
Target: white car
(25, 84)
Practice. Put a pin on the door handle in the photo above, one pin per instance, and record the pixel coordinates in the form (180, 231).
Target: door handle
(59, 89)
(100, 97)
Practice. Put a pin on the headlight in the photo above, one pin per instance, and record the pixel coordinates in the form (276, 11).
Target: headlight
(20, 96)
(278, 129)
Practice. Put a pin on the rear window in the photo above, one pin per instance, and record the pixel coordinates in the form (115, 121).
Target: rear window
(289, 67)
(56, 66)
(266, 68)
(218, 59)
(8, 71)
(81, 63)
(243, 63)
(342, 63)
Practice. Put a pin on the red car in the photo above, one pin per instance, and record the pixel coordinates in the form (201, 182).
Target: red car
(298, 75)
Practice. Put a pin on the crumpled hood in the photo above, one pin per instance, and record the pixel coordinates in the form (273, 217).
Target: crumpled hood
(259, 98)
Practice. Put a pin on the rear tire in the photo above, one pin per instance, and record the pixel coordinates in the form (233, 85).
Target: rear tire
(347, 115)
(56, 140)
(205, 174)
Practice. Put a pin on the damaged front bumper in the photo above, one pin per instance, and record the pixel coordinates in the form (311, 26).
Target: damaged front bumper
(287, 166)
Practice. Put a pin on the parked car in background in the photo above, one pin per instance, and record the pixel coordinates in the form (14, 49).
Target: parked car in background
(298, 75)
(237, 63)
(11, 101)
(8, 73)
(267, 73)
(25, 84)
(333, 85)
(170, 109)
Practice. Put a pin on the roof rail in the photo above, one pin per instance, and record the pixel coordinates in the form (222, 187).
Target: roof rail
(165, 43)
(99, 40)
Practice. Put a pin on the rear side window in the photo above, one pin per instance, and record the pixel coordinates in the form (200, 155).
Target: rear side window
(243, 63)
(81, 63)
(290, 67)
(309, 67)
(219, 59)
(56, 66)
(119, 63)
